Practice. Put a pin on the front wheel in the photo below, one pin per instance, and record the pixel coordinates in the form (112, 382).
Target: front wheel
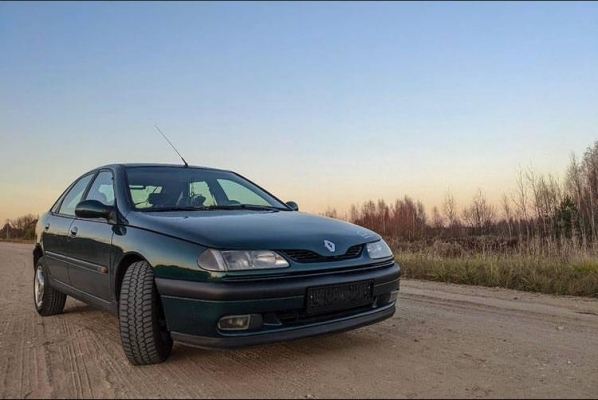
(47, 300)
(143, 332)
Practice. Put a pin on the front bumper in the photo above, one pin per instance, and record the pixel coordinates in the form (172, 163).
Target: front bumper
(193, 309)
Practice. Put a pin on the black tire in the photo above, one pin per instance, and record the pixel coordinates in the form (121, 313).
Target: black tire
(50, 301)
(143, 332)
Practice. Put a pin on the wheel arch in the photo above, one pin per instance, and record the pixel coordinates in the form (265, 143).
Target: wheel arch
(126, 261)
(37, 254)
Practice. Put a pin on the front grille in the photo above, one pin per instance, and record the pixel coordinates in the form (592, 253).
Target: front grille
(306, 256)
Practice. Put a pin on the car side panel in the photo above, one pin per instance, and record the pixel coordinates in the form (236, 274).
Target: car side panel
(54, 239)
(89, 255)
(110, 306)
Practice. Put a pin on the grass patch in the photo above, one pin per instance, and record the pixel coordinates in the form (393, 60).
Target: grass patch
(514, 271)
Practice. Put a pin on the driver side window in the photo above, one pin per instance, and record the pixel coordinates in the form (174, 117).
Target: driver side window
(73, 197)
(102, 189)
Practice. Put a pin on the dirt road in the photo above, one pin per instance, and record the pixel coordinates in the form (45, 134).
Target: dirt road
(444, 341)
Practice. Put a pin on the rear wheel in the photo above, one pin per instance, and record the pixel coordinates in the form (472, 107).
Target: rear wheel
(47, 300)
(143, 332)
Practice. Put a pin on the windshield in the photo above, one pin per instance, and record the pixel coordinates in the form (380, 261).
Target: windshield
(173, 188)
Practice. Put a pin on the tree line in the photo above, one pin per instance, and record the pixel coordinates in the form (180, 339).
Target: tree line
(21, 228)
(542, 207)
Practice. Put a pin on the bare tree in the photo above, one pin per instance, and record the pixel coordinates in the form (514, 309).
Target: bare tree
(449, 209)
(383, 216)
(354, 214)
(437, 220)
(575, 188)
(521, 201)
(479, 215)
(590, 167)
(331, 213)
(506, 207)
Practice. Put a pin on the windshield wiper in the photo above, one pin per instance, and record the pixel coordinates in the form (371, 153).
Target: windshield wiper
(215, 207)
(160, 209)
(242, 207)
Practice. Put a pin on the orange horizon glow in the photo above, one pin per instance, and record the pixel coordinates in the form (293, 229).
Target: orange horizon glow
(327, 104)
(314, 199)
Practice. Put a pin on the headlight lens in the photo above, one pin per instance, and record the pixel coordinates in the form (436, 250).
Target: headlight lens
(379, 249)
(236, 260)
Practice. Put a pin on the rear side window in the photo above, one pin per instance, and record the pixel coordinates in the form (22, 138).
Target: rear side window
(58, 202)
(102, 189)
(73, 197)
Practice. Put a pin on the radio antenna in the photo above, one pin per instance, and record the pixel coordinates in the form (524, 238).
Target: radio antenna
(174, 148)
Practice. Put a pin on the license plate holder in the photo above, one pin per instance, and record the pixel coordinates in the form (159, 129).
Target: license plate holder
(344, 296)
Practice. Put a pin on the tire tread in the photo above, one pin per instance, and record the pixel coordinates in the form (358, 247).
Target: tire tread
(139, 331)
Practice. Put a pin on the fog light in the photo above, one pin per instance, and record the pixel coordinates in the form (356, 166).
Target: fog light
(251, 322)
(387, 298)
(234, 322)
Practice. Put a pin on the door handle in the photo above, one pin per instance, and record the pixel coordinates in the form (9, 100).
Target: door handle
(47, 226)
(74, 231)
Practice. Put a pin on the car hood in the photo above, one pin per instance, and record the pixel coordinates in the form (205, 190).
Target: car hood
(258, 230)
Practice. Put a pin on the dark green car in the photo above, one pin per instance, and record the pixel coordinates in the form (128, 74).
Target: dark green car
(205, 257)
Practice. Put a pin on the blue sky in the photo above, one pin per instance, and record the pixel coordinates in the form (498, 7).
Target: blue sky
(328, 104)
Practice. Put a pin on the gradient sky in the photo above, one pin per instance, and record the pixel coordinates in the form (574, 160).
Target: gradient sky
(328, 104)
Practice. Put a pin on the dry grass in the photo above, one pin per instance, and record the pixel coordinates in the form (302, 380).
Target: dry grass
(536, 273)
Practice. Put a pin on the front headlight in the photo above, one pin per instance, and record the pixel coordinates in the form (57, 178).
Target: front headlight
(238, 260)
(379, 249)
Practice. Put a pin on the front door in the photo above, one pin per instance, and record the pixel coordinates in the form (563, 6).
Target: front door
(55, 233)
(90, 244)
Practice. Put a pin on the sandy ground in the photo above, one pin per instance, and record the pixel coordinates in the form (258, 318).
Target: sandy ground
(444, 341)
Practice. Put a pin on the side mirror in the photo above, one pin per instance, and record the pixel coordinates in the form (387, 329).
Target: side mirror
(93, 209)
(294, 206)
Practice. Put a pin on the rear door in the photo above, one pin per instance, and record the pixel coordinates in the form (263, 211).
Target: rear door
(56, 230)
(90, 243)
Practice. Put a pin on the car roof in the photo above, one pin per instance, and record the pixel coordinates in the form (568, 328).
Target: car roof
(132, 165)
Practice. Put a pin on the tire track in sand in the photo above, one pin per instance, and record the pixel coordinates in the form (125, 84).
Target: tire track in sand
(444, 341)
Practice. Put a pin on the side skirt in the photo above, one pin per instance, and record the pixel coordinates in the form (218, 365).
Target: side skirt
(111, 307)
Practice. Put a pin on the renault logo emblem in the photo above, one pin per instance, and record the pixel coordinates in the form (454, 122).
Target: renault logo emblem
(330, 246)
